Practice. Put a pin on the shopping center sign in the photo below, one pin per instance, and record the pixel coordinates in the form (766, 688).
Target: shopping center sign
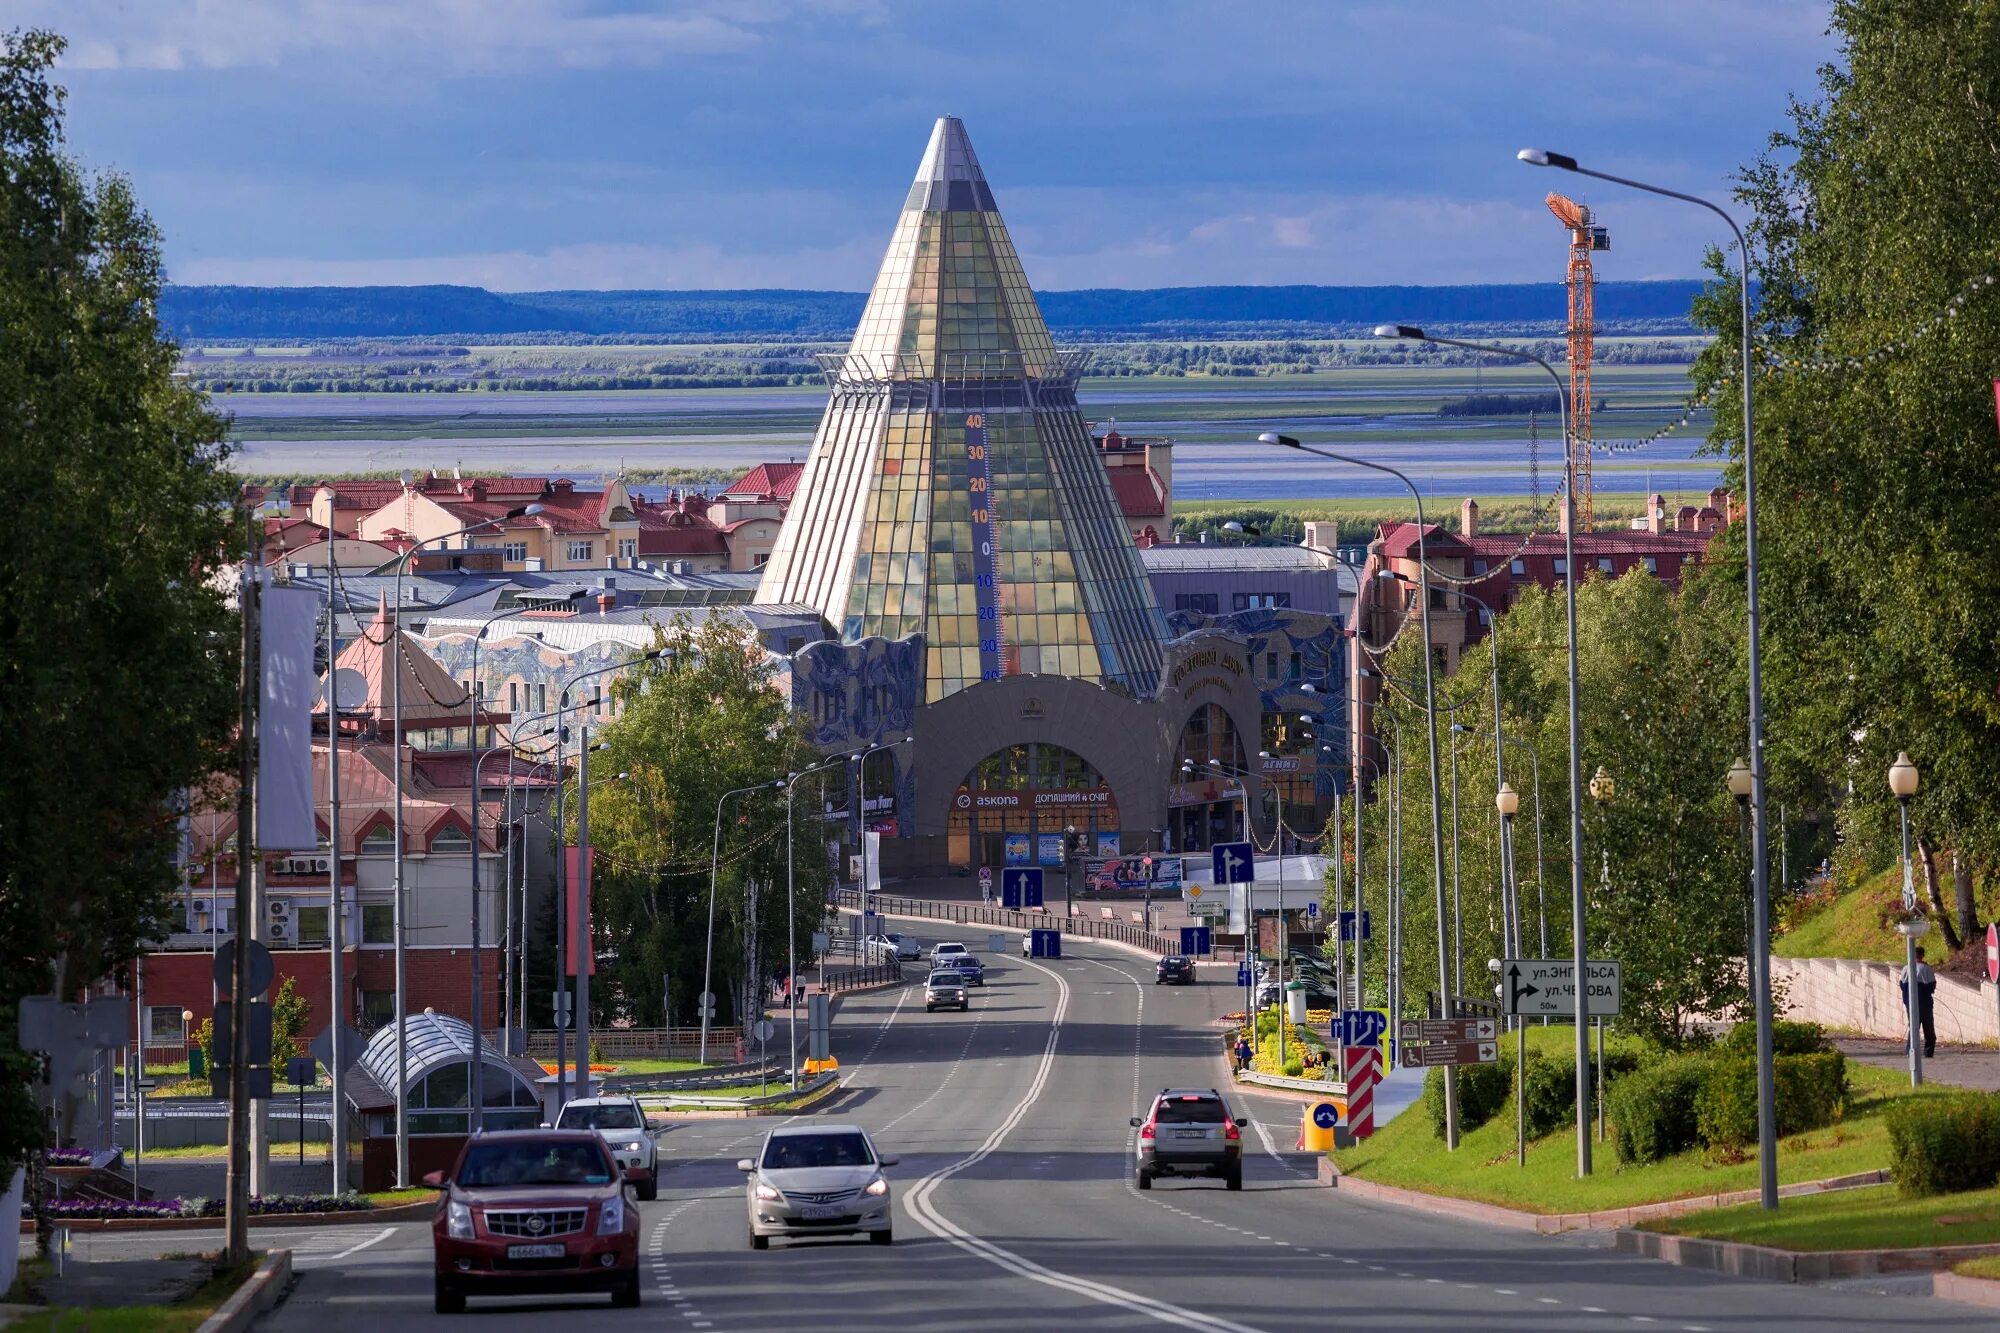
(1035, 799)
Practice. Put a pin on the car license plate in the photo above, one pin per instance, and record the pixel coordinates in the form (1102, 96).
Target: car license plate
(535, 1251)
(1190, 1133)
(814, 1212)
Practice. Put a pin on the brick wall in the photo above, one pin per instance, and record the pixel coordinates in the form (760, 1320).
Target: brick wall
(440, 979)
(1867, 998)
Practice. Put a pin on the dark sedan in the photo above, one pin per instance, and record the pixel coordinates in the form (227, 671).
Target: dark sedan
(1175, 969)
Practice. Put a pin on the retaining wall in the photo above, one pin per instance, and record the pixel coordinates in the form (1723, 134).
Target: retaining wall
(1854, 996)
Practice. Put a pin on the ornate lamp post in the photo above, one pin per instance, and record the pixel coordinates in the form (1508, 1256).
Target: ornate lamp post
(1913, 926)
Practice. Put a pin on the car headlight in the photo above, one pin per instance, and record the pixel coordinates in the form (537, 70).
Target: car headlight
(611, 1215)
(764, 1191)
(635, 1145)
(877, 1187)
(458, 1220)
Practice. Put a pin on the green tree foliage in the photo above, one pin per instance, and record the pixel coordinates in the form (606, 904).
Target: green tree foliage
(117, 651)
(1665, 877)
(1872, 212)
(290, 1013)
(703, 719)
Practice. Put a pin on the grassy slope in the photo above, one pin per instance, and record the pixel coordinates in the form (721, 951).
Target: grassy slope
(1866, 1219)
(1406, 1153)
(1850, 926)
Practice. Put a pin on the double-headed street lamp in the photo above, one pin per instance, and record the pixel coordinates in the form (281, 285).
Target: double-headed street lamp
(790, 784)
(1767, 1114)
(396, 756)
(1430, 710)
(1570, 445)
(1913, 926)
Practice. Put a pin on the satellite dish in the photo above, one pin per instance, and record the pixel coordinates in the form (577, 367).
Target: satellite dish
(350, 690)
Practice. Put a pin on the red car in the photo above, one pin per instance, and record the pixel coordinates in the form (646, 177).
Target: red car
(534, 1211)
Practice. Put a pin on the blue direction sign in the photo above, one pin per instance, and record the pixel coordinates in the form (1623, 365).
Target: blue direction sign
(1312, 911)
(1233, 863)
(1347, 925)
(1243, 974)
(1363, 1027)
(1326, 1115)
(1196, 941)
(1021, 887)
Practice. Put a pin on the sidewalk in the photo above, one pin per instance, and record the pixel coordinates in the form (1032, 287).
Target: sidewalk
(1960, 1066)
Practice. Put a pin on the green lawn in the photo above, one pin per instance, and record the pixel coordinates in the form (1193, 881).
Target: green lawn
(183, 1317)
(1406, 1153)
(1986, 1268)
(396, 1198)
(650, 1065)
(1876, 1218)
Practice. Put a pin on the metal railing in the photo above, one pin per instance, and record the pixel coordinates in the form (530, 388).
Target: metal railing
(635, 1043)
(840, 979)
(975, 914)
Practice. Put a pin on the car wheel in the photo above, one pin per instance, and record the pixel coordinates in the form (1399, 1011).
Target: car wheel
(758, 1242)
(447, 1299)
(1142, 1179)
(1235, 1179)
(881, 1238)
(626, 1295)
(964, 1007)
(649, 1190)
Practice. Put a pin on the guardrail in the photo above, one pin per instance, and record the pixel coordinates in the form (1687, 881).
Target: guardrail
(785, 1094)
(634, 1043)
(856, 978)
(975, 914)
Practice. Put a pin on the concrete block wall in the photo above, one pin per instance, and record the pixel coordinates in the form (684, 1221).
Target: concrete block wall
(1867, 998)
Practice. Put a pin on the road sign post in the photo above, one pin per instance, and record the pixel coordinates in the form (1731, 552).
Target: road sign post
(1234, 863)
(1021, 888)
(1535, 987)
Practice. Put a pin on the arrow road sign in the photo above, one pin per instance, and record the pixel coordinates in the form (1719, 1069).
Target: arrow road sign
(1021, 887)
(1450, 1053)
(1326, 1115)
(1347, 925)
(1547, 986)
(1363, 1027)
(1234, 863)
(1419, 1031)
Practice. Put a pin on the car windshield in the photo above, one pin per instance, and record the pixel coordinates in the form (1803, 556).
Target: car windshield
(613, 1116)
(1174, 960)
(1188, 1111)
(493, 1165)
(793, 1152)
(946, 979)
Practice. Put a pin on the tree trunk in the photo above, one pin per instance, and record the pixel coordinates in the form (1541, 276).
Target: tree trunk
(1927, 855)
(1968, 905)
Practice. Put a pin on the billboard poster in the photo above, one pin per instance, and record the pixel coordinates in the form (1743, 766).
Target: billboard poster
(1107, 845)
(1050, 849)
(1167, 870)
(1017, 849)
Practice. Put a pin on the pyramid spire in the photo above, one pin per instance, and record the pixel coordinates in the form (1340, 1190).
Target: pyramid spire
(953, 490)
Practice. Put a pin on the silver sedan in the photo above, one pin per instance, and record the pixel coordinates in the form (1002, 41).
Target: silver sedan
(817, 1180)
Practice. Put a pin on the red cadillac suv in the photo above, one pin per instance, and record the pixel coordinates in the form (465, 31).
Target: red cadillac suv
(534, 1211)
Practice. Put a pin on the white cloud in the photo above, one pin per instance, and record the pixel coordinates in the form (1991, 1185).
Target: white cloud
(450, 36)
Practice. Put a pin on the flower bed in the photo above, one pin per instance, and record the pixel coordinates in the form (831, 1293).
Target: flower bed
(196, 1206)
(69, 1157)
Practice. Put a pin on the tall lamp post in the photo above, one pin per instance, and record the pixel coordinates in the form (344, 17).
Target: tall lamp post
(1737, 779)
(1575, 715)
(706, 1004)
(1913, 926)
(397, 894)
(1430, 718)
(1767, 1114)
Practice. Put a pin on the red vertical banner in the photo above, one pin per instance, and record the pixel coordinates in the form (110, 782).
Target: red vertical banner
(576, 880)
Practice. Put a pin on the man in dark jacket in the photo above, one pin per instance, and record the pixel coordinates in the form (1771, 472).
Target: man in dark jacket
(1926, 1002)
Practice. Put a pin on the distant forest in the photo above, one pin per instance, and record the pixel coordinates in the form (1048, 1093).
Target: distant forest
(473, 314)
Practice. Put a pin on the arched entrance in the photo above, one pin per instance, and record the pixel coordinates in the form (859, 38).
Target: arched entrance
(1016, 804)
(1205, 804)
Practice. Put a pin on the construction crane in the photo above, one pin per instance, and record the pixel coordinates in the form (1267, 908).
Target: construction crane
(1584, 237)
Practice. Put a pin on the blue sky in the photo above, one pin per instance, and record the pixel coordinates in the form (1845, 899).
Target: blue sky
(523, 144)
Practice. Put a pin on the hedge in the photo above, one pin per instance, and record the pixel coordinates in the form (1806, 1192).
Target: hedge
(1811, 1092)
(1652, 1111)
(1944, 1145)
(1482, 1091)
(1787, 1038)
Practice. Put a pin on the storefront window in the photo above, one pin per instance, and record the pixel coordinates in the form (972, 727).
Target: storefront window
(1016, 804)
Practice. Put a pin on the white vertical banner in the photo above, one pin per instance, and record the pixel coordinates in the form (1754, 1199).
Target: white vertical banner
(288, 624)
(871, 858)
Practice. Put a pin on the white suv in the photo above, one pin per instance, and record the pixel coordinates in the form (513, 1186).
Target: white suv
(623, 1126)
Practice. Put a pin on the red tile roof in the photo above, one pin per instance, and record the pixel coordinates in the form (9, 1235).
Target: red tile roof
(1138, 492)
(777, 480)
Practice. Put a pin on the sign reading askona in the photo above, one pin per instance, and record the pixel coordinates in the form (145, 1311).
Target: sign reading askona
(1041, 799)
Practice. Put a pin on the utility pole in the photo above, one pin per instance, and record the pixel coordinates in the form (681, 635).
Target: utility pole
(337, 1019)
(236, 1247)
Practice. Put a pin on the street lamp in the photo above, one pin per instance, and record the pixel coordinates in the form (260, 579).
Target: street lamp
(1767, 1106)
(706, 1002)
(1738, 780)
(790, 784)
(396, 765)
(1508, 801)
(187, 1041)
(1913, 926)
(1430, 719)
(1575, 713)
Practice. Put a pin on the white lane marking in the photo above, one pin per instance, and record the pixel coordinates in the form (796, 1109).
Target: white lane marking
(971, 1032)
(918, 1203)
(375, 1239)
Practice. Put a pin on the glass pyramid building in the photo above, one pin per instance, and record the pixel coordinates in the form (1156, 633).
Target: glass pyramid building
(953, 490)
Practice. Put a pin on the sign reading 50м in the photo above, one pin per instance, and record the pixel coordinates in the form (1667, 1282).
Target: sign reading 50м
(985, 564)
(1538, 986)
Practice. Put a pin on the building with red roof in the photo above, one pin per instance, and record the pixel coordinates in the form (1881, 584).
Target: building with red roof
(1141, 469)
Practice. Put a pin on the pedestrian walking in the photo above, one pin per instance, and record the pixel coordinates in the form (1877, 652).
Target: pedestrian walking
(1926, 1003)
(1243, 1053)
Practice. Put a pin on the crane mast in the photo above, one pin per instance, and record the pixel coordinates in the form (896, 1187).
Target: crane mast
(1584, 237)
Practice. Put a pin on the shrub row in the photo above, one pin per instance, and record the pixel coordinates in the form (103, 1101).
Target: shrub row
(1709, 1099)
(1944, 1145)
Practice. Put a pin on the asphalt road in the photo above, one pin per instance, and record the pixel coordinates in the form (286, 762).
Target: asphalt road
(1015, 1207)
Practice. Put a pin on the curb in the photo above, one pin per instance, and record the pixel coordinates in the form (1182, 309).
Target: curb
(1966, 1290)
(402, 1212)
(805, 1102)
(1608, 1219)
(259, 1292)
(1761, 1261)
